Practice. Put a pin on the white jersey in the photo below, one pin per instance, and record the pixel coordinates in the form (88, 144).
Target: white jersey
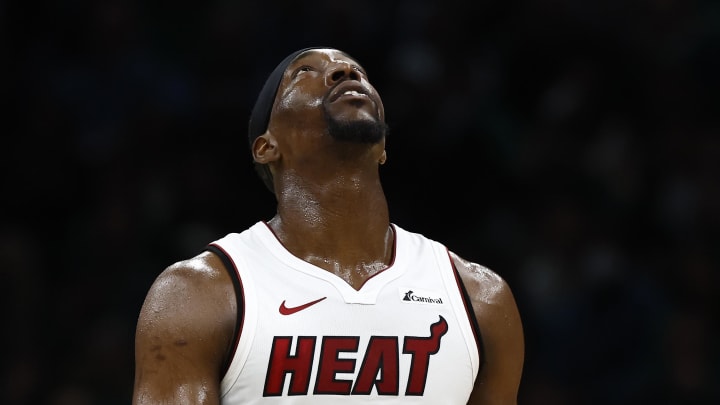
(308, 337)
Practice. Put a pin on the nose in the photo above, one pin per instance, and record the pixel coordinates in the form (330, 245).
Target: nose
(339, 72)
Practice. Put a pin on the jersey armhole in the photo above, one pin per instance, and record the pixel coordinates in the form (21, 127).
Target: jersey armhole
(470, 313)
(237, 286)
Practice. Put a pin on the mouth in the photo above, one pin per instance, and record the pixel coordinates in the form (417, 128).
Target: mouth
(349, 90)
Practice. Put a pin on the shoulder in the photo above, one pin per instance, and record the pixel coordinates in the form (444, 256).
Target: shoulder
(184, 331)
(484, 286)
(490, 295)
(191, 298)
(204, 273)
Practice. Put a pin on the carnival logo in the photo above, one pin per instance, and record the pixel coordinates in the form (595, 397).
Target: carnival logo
(426, 298)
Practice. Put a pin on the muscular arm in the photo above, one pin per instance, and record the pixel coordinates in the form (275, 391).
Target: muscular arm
(184, 333)
(502, 336)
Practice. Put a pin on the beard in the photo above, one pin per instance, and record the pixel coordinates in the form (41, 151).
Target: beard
(360, 131)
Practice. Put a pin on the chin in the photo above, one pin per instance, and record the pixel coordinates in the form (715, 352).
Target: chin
(360, 131)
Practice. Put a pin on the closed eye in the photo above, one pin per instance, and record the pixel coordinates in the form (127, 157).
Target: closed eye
(361, 70)
(302, 69)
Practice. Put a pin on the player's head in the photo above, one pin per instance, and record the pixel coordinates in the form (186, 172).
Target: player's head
(320, 91)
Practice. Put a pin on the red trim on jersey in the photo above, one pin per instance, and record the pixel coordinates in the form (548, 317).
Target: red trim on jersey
(239, 296)
(392, 257)
(468, 309)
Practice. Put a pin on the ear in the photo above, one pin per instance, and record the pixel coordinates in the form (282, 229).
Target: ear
(265, 149)
(383, 158)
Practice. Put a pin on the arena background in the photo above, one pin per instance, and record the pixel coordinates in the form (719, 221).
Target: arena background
(570, 146)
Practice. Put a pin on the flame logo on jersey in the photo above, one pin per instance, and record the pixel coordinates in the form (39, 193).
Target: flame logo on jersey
(379, 366)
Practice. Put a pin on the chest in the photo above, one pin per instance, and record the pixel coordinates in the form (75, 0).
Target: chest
(400, 335)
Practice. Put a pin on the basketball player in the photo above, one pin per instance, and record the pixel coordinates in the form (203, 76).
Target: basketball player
(328, 302)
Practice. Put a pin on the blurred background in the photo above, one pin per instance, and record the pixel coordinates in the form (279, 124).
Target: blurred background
(572, 147)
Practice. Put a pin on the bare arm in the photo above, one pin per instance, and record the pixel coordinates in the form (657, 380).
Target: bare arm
(184, 333)
(502, 335)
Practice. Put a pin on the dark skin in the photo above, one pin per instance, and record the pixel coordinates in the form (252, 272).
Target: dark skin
(331, 212)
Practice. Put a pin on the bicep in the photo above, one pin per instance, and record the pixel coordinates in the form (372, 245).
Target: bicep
(181, 340)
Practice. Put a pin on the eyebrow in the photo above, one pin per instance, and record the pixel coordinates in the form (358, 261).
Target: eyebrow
(309, 51)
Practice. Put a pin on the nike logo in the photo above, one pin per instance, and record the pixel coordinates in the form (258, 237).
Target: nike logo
(291, 310)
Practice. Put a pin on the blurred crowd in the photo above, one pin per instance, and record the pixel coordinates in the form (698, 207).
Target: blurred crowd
(572, 147)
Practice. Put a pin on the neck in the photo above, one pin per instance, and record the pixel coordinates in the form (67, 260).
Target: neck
(342, 227)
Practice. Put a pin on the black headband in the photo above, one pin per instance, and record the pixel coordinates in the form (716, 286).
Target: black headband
(260, 116)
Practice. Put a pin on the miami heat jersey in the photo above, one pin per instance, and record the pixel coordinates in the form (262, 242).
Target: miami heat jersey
(308, 337)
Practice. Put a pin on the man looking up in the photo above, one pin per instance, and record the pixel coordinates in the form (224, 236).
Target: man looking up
(328, 301)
